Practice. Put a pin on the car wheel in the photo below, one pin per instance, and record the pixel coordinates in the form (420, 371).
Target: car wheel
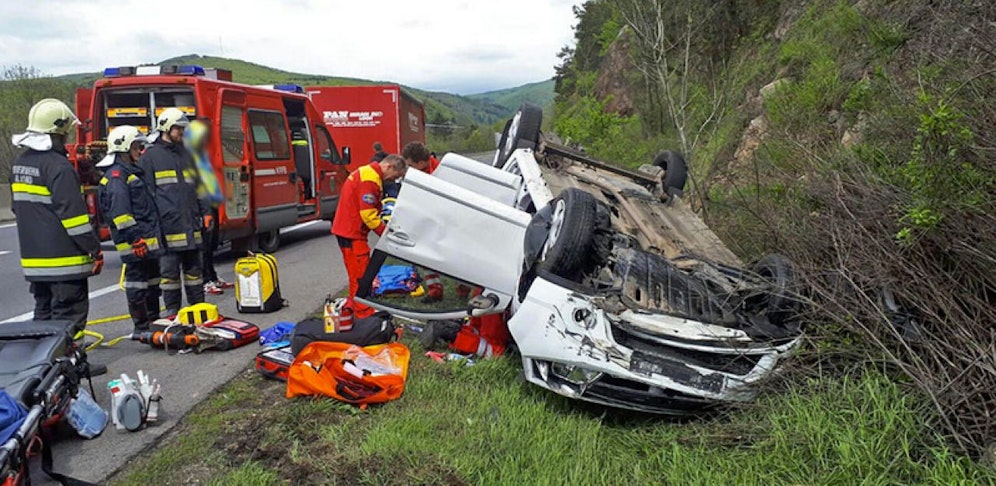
(268, 242)
(501, 144)
(569, 244)
(523, 132)
(782, 301)
(675, 170)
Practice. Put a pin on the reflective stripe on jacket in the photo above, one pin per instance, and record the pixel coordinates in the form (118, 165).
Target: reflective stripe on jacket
(130, 209)
(360, 204)
(53, 226)
(168, 170)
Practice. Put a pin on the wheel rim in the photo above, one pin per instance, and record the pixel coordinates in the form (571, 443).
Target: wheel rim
(556, 225)
(513, 132)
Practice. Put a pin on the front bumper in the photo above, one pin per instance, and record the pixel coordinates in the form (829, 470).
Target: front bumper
(639, 361)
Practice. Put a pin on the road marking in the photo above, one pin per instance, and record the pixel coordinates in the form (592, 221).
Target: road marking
(4, 252)
(11, 225)
(298, 226)
(92, 295)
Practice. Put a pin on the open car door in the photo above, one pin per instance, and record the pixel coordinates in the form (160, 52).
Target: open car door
(444, 234)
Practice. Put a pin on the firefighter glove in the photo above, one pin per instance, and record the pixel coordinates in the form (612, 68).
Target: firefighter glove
(208, 219)
(140, 248)
(98, 263)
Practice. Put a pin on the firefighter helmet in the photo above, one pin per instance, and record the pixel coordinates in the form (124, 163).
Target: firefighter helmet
(171, 117)
(51, 116)
(121, 138)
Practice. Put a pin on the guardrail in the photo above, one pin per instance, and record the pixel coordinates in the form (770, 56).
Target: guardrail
(5, 203)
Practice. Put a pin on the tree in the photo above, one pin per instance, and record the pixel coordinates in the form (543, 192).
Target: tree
(20, 88)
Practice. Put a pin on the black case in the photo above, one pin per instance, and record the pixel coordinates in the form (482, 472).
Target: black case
(376, 329)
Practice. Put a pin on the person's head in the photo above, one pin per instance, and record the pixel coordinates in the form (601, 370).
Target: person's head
(195, 136)
(127, 141)
(171, 124)
(378, 147)
(416, 156)
(393, 167)
(53, 117)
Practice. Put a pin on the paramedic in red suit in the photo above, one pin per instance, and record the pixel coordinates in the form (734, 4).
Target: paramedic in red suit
(357, 215)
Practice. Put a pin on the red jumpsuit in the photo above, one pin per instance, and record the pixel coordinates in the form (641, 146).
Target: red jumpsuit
(484, 336)
(358, 214)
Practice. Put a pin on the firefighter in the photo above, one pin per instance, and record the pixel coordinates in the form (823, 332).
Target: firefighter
(358, 214)
(59, 249)
(128, 204)
(195, 138)
(171, 173)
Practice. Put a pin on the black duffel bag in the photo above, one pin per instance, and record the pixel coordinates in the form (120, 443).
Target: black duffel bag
(376, 329)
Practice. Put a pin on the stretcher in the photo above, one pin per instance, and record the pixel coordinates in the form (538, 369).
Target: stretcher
(41, 368)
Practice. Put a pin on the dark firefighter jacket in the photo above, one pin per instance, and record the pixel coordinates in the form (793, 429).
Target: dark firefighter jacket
(170, 172)
(130, 209)
(53, 224)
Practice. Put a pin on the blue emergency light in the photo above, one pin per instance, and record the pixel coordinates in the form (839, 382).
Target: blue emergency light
(293, 88)
(184, 70)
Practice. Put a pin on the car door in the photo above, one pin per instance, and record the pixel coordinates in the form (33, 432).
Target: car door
(479, 177)
(470, 244)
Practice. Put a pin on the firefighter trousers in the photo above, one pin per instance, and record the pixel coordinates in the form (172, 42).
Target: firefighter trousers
(356, 256)
(62, 301)
(171, 265)
(142, 292)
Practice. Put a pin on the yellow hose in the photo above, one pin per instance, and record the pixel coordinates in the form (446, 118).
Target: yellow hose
(99, 336)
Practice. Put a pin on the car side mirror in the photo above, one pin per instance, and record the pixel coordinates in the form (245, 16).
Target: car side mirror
(480, 303)
(345, 159)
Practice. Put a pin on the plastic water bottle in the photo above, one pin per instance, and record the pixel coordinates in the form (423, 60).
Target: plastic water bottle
(86, 416)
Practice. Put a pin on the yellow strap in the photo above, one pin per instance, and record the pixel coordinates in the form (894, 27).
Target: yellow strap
(124, 218)
(30, 189)
(55, 262)
(76, 221)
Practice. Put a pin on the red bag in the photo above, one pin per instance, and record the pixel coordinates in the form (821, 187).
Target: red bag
(274, 363)
(349, 373)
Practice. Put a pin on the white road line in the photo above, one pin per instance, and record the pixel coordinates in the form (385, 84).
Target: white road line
(92, 295)
(4, 252)
(298, 226)
(11, 225)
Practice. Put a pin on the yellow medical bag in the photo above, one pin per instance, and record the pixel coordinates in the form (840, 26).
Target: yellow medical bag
(257, 286)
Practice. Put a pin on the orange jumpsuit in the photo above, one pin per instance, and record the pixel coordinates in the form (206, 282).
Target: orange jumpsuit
(357, 215)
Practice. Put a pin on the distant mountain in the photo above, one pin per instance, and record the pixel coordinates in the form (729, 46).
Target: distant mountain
(480, 109)
(540, 93)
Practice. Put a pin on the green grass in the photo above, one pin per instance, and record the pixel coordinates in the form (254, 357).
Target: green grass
(484, 425)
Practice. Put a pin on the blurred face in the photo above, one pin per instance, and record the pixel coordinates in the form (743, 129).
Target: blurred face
(135, 151)
(422, 165)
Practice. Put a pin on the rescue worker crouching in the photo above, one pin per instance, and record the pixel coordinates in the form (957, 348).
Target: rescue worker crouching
(130, 209)
(59, 249)
(170, 172)
(357, 215)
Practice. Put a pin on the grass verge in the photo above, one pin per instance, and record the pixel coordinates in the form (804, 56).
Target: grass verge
(484, 425)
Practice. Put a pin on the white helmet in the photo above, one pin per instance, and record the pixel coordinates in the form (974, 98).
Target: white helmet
(51, 116)
(171, 117)
(121, 138)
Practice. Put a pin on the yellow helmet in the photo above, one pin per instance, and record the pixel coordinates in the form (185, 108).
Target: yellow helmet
(121, 138)
(51, 116)
(171, 117)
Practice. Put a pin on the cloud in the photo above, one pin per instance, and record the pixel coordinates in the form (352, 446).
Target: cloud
(462, 45)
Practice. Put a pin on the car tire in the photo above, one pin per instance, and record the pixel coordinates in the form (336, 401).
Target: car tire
(782, 301)
(570, 243)
(675, 171)
(268, 242)
(501, 143)
(523, 132)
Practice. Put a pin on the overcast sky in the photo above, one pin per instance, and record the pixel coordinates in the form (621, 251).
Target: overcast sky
(460, 46)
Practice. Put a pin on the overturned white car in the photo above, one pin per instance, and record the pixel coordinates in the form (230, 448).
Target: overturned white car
(619, 294)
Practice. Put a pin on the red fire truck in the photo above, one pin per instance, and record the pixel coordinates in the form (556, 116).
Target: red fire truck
(362, 115)
(276, 161)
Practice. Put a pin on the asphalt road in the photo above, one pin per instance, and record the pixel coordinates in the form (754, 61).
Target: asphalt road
(310, 267)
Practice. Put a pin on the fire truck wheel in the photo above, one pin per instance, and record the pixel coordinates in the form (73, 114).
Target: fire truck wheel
(268, 242)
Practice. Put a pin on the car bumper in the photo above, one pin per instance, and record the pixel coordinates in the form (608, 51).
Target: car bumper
(647, 362)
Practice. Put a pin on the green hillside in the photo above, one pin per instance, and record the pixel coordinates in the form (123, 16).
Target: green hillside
(541, 93)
